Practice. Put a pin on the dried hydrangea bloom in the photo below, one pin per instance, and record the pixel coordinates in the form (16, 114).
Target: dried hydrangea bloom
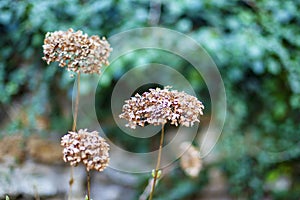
(86, 147)
(76, 51)
(160, 106)
(190, 161)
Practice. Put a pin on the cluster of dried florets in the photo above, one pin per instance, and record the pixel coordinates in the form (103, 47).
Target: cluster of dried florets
(190, 161)
(76, 51)
(160, 106)
(86, 147)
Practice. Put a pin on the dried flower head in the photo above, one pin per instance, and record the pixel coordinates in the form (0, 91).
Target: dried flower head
(86, 147)
(76, 51)
(160, 106)
(190, 161)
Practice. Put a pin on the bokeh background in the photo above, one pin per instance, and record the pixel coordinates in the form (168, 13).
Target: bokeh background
(256, 46)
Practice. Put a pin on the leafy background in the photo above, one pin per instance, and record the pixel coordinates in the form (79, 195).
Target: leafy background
(255, 45)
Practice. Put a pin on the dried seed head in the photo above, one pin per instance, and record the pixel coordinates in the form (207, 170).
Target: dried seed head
(160, 106)
(190, 161)
(76, 51)
(86, 147)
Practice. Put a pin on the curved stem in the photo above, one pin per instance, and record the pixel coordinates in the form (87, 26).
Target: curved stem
(158, 161)
(88, 184)
(71, 181)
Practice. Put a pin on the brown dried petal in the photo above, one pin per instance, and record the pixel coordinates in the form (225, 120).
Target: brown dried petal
(76, 51)
(86, 147)
(160, 106)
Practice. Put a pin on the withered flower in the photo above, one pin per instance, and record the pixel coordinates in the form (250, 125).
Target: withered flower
(86, 147)
(76, 51)
(159, 106)
(190, 161)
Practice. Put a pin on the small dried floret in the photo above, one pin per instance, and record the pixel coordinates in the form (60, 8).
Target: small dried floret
(76, 51)
(86, 147)
(190, 161)
(160, 106)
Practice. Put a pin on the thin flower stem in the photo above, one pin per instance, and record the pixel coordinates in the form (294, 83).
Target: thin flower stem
(88, 184)
(158, 161)
(146, 193)
(76, 103)
(36, 194)
(71, 181)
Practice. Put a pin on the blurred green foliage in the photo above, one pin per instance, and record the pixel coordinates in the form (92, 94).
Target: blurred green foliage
(255, 44)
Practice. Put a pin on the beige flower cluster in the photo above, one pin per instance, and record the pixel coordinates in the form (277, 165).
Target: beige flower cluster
(76, 51)
(160, 106)
(190, 161)
(86, 147)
